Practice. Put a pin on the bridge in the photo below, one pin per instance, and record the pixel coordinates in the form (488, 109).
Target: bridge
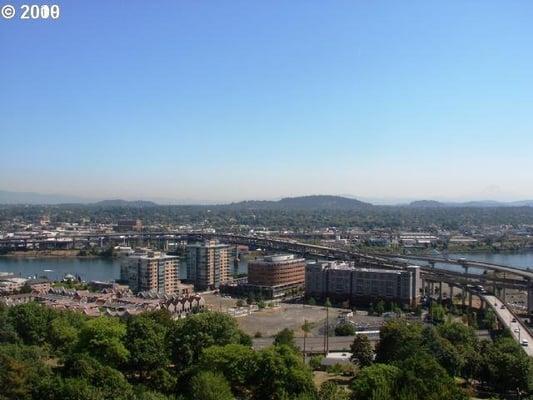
(516, 326)
(513, 278)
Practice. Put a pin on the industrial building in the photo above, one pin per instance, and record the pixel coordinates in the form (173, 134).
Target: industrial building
(361, 285)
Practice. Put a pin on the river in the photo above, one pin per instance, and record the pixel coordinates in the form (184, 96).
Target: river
(89, 269)
(108, 270)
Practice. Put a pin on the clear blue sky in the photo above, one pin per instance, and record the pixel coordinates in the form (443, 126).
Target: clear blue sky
(227, 100)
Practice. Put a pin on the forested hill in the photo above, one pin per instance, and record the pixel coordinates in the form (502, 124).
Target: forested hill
(317, 202)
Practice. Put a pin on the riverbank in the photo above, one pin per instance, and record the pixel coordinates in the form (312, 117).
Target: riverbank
(49, 254)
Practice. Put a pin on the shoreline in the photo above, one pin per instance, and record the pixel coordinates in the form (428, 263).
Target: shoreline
(47, 254)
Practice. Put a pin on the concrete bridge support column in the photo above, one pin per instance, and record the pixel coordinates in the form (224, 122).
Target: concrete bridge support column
(504, 292)
(451, 292)
(463, 296)
(469, 299)
(530, 298)
(440, 291)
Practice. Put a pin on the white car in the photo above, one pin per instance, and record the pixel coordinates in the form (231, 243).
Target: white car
(516, 330)
(525, 343)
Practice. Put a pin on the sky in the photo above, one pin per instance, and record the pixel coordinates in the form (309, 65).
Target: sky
(216, 101)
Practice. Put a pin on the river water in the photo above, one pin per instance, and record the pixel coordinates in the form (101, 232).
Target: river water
(109, 270)
(89, 269)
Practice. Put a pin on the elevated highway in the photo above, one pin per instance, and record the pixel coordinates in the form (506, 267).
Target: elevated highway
(517, 328)
(514, 278)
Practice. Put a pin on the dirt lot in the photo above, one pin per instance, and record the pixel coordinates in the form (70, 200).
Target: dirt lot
(292, 316)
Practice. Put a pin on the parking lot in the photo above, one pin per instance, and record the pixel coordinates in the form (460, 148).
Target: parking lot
(269, 321)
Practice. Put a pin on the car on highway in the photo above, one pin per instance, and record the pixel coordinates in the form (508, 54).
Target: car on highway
(525, 343)
(502, 307)
(516, 330)
(513, 320)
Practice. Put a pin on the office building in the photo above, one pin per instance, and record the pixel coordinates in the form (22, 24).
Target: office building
(276, 270)
(344, 281)
(147, 270)
(207, 264)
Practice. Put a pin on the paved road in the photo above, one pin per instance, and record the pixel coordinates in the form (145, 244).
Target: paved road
(506, 317)
(315, 344)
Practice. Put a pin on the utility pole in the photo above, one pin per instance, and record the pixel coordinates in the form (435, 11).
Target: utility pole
(306, 328)
(326, 338)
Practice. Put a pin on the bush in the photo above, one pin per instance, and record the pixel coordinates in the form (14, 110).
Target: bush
(345, 329)
(315, 361)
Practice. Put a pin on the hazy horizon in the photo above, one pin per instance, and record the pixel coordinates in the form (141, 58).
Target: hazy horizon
(65, 198)
(216, 102)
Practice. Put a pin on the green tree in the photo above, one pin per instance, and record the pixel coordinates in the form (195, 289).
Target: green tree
(375, 382)
(21, 372)
(489, 320)
(331, 391)
(285, 337)
(361, 350)
(437, 313)
(102, 337)
(399, 339)
(74, 389)
(315, 362)
(210, 386)
(110, 383)
(8, 333)
(421, 377)
(145, 341)
(505, 366)
(63, 335)
(380, 307)
(458, 334)
(189, 336)
(31, 322)
(282, 374)
(237, 363)
(345, 329)
(444, 352)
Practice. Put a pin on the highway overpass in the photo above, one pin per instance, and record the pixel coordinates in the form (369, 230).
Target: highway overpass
(517, 328)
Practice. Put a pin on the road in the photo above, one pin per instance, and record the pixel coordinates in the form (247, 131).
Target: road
(506, 317)
(315, 344)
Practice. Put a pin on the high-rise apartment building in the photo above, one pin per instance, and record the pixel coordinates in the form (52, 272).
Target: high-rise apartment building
(147, 270)
(208, 264)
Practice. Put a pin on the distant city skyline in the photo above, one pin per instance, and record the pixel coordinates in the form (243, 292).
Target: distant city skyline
(213, 102)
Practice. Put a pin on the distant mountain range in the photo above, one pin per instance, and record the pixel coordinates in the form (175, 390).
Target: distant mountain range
(314, 202)
(125, 203)
(473, 204)
(38, 198)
